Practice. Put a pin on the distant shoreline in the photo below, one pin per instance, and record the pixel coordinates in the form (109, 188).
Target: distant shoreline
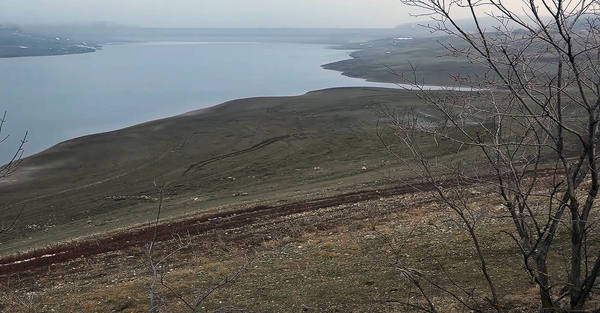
(267, 94)
(15, 43)
(60, 53)
(182, 94)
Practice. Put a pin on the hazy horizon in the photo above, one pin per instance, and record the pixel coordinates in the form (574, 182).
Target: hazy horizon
(210, 14)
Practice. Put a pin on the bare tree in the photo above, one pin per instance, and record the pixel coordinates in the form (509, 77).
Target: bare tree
(9, 296)
(14, 160)
(533, 121)
(192, 300)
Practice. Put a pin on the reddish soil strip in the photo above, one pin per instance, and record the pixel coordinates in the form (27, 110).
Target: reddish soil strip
(193, 226)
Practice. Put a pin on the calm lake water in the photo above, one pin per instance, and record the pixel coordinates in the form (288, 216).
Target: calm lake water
(61, 97)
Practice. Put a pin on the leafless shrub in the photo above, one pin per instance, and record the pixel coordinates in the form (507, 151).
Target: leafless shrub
(17, 301)
(528, 130)
(8, 297)
(14, 160)
(158, 268)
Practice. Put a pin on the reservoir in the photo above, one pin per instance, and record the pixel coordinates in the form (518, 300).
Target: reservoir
(57, 98)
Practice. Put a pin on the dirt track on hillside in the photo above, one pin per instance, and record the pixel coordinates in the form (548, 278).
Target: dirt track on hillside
(255, 147)
(193, 226)
(204, 223)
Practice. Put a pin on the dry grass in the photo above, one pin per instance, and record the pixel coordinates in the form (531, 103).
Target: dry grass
(339, 259)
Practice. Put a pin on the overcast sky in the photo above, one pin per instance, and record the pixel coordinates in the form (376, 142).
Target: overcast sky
(209, 13)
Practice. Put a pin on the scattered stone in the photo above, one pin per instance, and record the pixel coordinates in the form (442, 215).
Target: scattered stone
(121, 198)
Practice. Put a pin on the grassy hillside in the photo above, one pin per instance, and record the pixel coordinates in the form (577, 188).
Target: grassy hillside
(243, 151)
(268, 166)
(337, 259)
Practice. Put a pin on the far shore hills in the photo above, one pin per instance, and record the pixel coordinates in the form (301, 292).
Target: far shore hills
(47, 40)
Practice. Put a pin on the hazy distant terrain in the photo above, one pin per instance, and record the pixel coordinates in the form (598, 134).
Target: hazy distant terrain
(59, 40)
(39, 40)
(113, 33)
(399, 59)
(16, 43)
